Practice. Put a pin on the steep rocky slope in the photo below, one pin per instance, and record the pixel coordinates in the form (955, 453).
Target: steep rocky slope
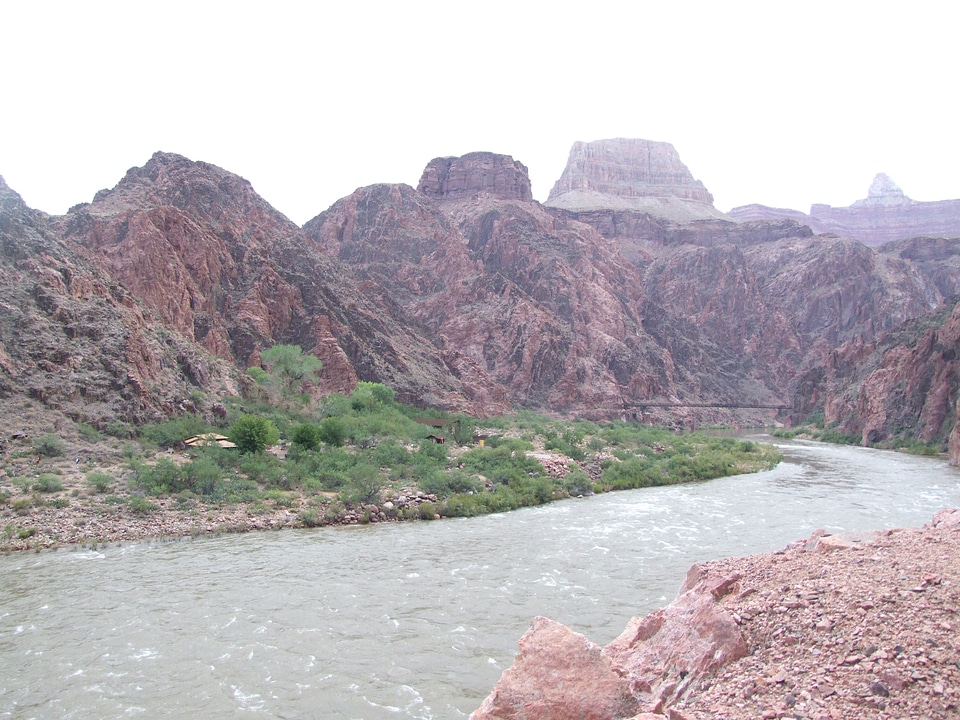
(885, 215)
(466, 294)
(903, 387)
(550, 310)
(219, 264)
(78, 343)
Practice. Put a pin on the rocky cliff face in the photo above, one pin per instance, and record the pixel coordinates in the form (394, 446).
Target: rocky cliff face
(885, 215)
(545, 309)
(456, 178)
(627, 174)
(468, 295)
(75, 341)
(219, 264)
(904, 387)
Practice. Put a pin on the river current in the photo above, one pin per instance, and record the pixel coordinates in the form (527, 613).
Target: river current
(408, 620)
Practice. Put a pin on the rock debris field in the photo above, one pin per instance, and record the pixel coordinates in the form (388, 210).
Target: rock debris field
(846, 628)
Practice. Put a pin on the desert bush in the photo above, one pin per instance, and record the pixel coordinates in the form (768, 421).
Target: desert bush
(50, 445)
(48, 484)
(364, 485)
(252, 433)
(140, 505)
(89, 432)
(171, 433)
(99, 481)
(443, 484)
(333, 431)
(120, 430)
(306, 435)
(21, 506)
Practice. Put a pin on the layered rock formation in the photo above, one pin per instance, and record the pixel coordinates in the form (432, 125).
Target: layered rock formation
(627, 174)
(804, 632)
(885, 215)
(456, 178)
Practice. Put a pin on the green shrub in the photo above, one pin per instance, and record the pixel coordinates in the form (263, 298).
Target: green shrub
(365, 484)
(307, 436)
(49, 445)
(89, 432)
(119, 430)
(21, 506)
(99, 481)
(48, 484)
(201, 476)
(252, 434)
(173, 432)
(140, 505)
(333, 431)
(310, 518)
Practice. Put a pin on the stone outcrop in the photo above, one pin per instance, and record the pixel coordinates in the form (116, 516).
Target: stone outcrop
(457, 178)
(631, 174)
(542, 303)
(654, 663)
(905, 387)
(75, 341)
(885, 215)
(217, 263)
(853, 626)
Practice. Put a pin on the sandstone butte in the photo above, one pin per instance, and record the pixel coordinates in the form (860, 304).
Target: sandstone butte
(830, 628)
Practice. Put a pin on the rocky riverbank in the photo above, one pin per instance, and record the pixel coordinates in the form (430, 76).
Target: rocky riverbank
(829, 628)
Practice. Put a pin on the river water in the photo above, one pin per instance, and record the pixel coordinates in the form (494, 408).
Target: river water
(410, 620)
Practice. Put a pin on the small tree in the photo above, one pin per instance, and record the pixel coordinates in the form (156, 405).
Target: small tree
(332, 431)
(289, 368)
(252, 434)
(306, 436)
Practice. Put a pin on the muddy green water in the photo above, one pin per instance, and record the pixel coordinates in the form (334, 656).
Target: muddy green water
(413, 620)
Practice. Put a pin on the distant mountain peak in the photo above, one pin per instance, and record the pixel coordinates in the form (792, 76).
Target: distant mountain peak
(884, 191)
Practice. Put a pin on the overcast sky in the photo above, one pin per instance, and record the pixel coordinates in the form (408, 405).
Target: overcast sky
(765, 102)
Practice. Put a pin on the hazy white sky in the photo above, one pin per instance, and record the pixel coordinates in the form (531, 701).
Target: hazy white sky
(781, 104)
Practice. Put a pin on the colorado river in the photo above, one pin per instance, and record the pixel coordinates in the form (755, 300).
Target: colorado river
(409, 620)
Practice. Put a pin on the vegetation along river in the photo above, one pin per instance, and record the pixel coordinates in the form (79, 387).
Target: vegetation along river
(414, 620)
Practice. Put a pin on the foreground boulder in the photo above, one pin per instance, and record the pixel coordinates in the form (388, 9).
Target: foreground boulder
(832, 627)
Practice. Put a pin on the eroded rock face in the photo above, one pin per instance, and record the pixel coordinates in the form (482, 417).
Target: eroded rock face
(885, 215)
(631, 174)
(905, 386)
(457, 178)
(78, 343)
(544, 310)
(216, 262)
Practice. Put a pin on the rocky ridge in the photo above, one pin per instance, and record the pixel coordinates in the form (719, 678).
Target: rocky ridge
(831, 628)
(468, 295)
(885, 215)
(217, 263)
(553, 312)
(77, 342)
